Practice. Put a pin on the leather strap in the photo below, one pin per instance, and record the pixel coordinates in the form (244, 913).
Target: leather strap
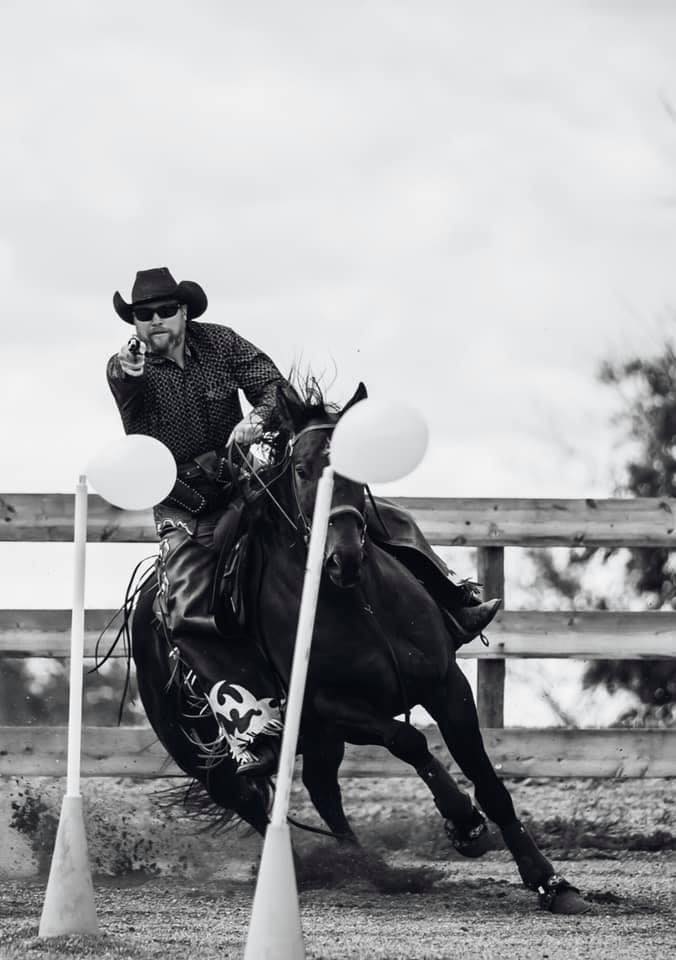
(185, 496)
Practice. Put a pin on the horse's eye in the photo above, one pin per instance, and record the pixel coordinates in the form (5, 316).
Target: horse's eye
(301, 472)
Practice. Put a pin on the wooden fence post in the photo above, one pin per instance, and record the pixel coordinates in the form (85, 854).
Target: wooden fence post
(491, 673)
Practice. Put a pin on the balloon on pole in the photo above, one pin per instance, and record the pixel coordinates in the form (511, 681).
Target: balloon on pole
(133, 471)
(377, 441)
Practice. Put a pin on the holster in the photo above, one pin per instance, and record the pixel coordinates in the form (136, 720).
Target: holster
(214, 466)
(203, 483)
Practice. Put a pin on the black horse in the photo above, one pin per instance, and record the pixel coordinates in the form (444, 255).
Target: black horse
(380, 646)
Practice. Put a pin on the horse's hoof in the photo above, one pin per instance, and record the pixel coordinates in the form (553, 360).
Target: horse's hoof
(472, 843)
(558, 896)
(570, 902)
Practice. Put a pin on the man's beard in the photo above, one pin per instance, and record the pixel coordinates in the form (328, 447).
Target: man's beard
(164, 342)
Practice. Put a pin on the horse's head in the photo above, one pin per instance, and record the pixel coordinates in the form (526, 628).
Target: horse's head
(310, 428)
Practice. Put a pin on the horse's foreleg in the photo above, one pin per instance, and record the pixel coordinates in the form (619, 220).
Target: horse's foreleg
(455, 712)
(464, 824)
(359, 725)
(322, 757)
(453, 708)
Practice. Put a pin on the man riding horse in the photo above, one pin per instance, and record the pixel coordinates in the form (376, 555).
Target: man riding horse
(177, 381)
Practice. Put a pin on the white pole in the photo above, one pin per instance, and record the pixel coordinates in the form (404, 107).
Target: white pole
(275, 928)
(301, 655)
(77, 642)
(69, 906)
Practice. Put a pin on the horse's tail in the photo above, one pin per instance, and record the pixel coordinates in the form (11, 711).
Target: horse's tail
(198, 805)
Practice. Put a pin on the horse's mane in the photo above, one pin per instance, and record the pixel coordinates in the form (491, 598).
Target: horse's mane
(305, 393)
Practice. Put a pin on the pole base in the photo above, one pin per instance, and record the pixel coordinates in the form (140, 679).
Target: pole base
(69, 899)
(274, 931)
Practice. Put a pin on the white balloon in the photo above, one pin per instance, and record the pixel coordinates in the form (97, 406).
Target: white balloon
(375, 442)
(133, 472)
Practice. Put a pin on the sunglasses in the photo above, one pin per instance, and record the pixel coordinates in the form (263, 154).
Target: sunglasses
(163, 310)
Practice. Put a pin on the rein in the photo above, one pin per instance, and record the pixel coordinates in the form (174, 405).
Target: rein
(265, 487)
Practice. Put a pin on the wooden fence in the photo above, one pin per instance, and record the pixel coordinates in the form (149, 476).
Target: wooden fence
(489, 525)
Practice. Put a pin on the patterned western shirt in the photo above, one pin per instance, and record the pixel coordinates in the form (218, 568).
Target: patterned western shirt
(194, 409)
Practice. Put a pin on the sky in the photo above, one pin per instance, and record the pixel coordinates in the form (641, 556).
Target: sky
(465, 205)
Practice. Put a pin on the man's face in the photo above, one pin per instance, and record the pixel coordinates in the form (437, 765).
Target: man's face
(161, 326)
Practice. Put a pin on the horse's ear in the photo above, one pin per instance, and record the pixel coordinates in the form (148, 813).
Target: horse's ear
(360, 393)
(289, 407)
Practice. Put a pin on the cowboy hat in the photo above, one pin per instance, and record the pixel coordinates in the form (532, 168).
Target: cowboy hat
(158, 286)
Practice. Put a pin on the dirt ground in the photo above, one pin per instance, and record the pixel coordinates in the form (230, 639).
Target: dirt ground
(163, 889)
(473, 910)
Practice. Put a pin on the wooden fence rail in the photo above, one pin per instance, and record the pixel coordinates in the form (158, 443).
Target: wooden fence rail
(480, 522)
(523, 634)
(557, 752)
(490, 525)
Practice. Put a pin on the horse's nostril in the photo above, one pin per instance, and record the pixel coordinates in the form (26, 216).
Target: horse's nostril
(343, 571)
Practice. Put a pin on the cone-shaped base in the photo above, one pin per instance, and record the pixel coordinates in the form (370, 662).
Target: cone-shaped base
(274, 931)
(69, 899)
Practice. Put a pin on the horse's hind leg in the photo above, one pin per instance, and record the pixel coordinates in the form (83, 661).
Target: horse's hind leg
(454, 710)
(322, 757)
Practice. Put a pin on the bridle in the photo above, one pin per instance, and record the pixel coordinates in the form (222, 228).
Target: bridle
(345, 510)
(288, 463)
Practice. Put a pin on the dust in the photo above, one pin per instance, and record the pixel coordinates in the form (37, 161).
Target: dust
(36, 820)
(625, 905)
(328, 868)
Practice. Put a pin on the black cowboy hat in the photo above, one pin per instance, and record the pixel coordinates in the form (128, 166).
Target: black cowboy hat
(158, 286)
